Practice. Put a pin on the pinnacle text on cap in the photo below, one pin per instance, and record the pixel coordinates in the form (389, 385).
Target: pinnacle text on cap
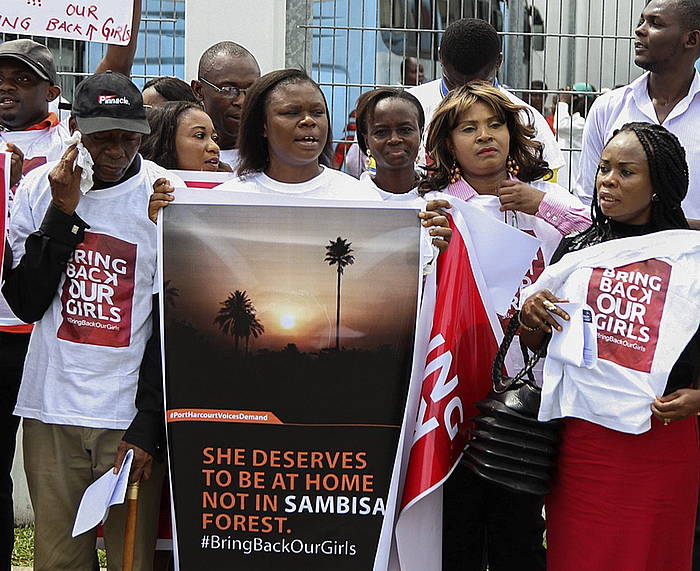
(112, 100)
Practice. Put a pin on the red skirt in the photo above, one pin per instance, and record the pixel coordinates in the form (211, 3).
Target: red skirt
(624, 502)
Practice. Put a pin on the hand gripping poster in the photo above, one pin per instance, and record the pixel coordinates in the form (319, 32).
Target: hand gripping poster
(288, 332)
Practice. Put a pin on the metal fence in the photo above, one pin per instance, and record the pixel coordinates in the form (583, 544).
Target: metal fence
(352, 46)
(355, 45)
(160, 47)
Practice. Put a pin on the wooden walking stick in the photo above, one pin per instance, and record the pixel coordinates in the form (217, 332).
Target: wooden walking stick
(132, 507)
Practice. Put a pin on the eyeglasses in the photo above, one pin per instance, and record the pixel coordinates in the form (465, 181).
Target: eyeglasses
(228, 91)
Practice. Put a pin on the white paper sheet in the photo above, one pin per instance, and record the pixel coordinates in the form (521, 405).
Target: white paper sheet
(108, 490)
(576, 344)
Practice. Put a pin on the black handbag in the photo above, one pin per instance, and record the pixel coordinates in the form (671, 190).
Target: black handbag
(508, 445)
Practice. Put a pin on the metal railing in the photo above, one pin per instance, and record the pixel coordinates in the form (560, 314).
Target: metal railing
(352, 46)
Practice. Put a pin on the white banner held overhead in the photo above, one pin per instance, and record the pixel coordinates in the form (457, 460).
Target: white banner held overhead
(105, 21)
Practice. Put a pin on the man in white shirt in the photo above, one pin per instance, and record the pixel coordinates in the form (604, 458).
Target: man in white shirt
(470, 49)
(226, 70)
(667, 46)
(28, 90)
(84, 269)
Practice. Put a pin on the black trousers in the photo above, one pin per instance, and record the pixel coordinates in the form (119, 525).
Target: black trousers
(487, 524)
(13, 349)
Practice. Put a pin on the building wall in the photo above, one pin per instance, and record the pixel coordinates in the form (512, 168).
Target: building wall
(600, 53)
(259, 26)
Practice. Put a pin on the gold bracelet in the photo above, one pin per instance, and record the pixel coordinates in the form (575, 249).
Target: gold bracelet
(525, 327)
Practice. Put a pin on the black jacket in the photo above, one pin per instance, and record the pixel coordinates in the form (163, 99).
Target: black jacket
(30, 289)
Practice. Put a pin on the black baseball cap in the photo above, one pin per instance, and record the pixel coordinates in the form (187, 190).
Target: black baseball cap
(106, 101)
(37, 56)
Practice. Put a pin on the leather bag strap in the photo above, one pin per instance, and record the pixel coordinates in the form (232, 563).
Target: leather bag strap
(499, 382)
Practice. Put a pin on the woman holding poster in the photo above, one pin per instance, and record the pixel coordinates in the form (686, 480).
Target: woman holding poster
(483, 151)
(285, 142)
(625, 493)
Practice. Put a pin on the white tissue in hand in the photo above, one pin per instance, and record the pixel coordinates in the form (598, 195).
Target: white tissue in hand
(84, 161)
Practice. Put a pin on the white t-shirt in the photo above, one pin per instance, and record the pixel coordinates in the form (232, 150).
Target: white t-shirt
(230, 157)
(328, 184)
(430, 96)
(85, 352)
(429, 253)
(366, 178)
(39, 147)
(645, 295)
(632, 103)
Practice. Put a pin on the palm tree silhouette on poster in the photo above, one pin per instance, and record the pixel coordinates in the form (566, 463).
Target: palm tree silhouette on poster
(251, 326)
(237, 317)
(339, 254)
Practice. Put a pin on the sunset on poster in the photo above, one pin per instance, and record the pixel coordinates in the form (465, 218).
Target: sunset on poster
(276, 256)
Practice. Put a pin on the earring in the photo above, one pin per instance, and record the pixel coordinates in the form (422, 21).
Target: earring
(654, 198)
(370, 163)
(455, 172)
(512, 167)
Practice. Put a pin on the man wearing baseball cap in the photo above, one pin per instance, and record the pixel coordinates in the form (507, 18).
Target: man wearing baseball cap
(28, 67)
(34, 136)
(84, 269)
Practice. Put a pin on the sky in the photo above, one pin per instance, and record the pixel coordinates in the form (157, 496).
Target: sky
(276, 254)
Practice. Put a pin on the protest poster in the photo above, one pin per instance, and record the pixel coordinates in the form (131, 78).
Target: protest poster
(101, 21)
(288, 334)
(5, 168)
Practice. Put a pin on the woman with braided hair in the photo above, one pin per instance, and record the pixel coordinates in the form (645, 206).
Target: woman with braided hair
(626, 487)
(667, 170)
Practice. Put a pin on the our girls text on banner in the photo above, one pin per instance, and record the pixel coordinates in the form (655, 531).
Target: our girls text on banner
(288, 334)
(644, 294)
(104, 21)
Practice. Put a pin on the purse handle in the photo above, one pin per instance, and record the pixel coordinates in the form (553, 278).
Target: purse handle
(499, 360)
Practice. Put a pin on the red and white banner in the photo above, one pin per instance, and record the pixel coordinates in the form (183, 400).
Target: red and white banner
(5, 167)
(464, 337)
(203, 179)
